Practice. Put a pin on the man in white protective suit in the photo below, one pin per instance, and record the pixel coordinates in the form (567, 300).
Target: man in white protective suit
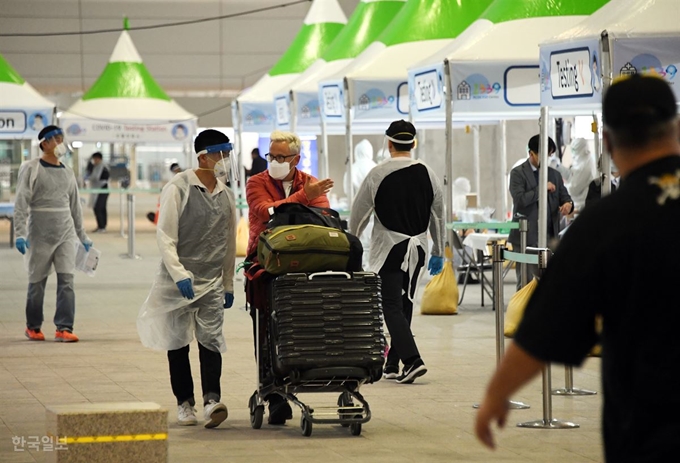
(195, 280)
(363, 163)
(405, 199)
(583, 171)
(48, 223)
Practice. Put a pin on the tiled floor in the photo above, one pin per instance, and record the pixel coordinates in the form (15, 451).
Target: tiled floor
(429, 421)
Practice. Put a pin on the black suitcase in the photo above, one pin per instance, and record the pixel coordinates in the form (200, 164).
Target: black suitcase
(329, 319)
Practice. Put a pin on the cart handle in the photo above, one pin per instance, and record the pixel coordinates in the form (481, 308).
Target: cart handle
(329, 273)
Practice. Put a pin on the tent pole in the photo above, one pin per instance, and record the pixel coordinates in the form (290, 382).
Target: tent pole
(502, 170)
(476, 163)
(543, 180)
(448, 133)
(292, 112)
(325, 171)
(606, 83)
(348, 138)
(132, 153)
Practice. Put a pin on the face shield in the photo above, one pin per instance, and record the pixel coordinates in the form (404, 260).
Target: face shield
(56, 136)
(226, 163)
(403, 142)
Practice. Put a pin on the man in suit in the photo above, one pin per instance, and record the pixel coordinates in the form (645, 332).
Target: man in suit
(524, 192)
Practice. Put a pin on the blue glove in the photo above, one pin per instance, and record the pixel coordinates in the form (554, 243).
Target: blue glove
(186, 288)
(22, 245)
(87, 245)
(228, 300)
(435, 265)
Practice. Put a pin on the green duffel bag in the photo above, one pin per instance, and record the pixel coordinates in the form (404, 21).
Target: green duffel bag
(303, 249)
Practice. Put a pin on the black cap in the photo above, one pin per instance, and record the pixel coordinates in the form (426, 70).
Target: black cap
(209, 137)
(638, 101)
(401, 130)
(46, 130)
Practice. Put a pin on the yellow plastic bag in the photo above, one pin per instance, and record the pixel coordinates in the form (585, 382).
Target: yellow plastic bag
(516, 306)
(441, 293)
(242, 232)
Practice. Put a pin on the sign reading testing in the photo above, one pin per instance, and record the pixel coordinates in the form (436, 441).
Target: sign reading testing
(332, 101)
(427, 94)
(12, 122)
(570, 73)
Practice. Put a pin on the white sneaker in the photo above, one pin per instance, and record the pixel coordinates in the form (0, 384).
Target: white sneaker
(186, 415)
(214, 413)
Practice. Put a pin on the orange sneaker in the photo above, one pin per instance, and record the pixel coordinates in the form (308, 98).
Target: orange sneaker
(65, 336)
(34, 335)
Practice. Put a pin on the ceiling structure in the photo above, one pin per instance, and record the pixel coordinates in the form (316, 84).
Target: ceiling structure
(194, 63)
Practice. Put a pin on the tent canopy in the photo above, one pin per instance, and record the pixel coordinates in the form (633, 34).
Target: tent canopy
(377, 78)
(496, 72)
(368, 20)
(643, 36)
(127, 104)
(324, 21)
(23, 111)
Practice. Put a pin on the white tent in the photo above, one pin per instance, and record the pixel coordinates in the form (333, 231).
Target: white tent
(126, 104)
(302, 96)
(255, 110)
(23, 111)
(493, 75)
(622, 38)
(375, 83)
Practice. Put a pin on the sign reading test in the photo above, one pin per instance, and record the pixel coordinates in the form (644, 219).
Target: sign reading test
(570, 73)
(427, 93)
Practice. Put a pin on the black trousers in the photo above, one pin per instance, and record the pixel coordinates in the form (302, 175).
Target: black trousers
(100, 210)
(180, 374)
(398, 309)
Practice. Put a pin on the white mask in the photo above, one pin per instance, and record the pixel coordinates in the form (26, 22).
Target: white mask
(222, 168)
(278, 170)
(60, 150)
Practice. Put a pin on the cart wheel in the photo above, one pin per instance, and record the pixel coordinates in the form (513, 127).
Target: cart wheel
(256, 417)
(306, 426)
(345, 400)
(355, 429)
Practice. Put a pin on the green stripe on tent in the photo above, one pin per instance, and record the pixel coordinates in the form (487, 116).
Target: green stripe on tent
(8, 74)
(508, 10)
(365, 25)
(432, 19)
(306, 48)
(126, 80)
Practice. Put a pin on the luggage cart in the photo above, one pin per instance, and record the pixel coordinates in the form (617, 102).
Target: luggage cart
(318, 345)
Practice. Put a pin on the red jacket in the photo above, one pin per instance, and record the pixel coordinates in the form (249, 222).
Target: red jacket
(263, 192)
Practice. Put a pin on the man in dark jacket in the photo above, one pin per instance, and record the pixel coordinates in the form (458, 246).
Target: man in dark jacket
(259, 163)
(524, 192)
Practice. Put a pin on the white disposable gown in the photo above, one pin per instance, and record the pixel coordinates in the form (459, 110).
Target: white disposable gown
(583, 171)
(384, 239)
(47, 213)
(363, 163)
(196, 235)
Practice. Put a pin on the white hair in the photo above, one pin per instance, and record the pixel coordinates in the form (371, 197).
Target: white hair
(293, 140)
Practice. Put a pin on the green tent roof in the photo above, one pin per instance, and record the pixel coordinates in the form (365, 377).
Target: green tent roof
(8, 73)
(125, 76)
(508, 10)
(364, 26)
(432, 19)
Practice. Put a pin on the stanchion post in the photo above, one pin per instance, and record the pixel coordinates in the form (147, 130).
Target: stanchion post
(499, 308)
(523, 230)
(547, 422)
(131, 228)
(122, 214)
(569, 388)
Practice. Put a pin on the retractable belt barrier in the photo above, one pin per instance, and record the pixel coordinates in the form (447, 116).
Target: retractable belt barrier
(541, 259)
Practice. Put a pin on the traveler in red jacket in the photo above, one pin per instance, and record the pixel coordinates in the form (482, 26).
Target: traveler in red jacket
(281, 183)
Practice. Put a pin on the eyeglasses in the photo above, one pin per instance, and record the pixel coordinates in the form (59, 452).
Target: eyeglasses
(279, 157)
